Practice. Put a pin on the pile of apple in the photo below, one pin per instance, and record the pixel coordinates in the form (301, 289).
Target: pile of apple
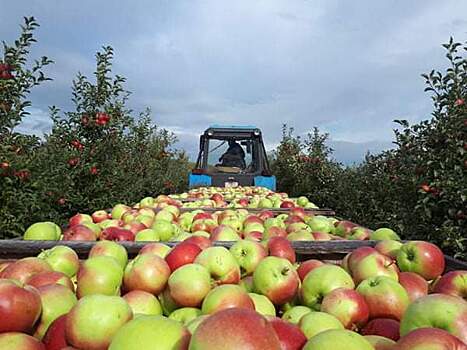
(160, 220)
(240, 197)
(254, 295)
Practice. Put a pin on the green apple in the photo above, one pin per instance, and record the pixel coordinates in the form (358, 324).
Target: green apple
(300, 235)
(316, 322)
(302, 201)
(143, 303)
(99, 275)
(112, 249)
(221, 264)
(185, 315)
(319, 223)
(265, 203)
(248, 255)
(263, 305)
(321, 281)
(295, 313)
(189, 284)
(147, 202)
(43, 231)
(119, 210)
(226, 296)
(338, 339)
(147, 235)
(384, 233)
(94, 321)
(193, 324)
(164, 215)
(164, 229)
(62, 259)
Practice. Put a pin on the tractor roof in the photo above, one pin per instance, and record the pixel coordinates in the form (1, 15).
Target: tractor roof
(232, 131)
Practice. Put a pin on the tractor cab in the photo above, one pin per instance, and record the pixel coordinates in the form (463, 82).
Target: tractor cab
(231, 156)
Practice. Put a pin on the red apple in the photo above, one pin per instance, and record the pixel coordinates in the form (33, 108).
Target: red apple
(274, 231)
(200, 241)
(321, 236)
(234, 329)
(290, 336)
(54, 339)
(297, 211)
(381, 343)
(148, 273)
(79, 233)
(307, 266)
(79, 219)
(182, 254)
(430, 338)
(226, 296)
(158, 249)
(99, 215)
(282, 248)
(287, 204)
(51, 277)
(117, 234)
(453, 283)
(349, 307)
(22, 270)
(388, 247)
(20, 307)
(421, 257)
(384, 327)
(134, 227)
(415, 285)
(255, 236)
(19, 341)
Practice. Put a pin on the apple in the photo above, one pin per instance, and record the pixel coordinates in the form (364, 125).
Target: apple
(194, 323)
(307, 266)
(185, 315)
(182, 254)
(415, 285)
(316, 322)
(164, 229)
(343, 228)
(158, 249)
(366, 262)
(19, 341)
(233, 222)
(263, 305)
(221, 264)
(359, 233)
(143, 303)
(235, 328)
(99, 216)
(79, 219)
(274, 231)
(319, 223)
(301, 235)
(43, 231)
(95, 319)
(347, 306)
(255, 236)
(51, 277)
(224, 233)
(248, 255)
(298, 226)
(207, 225)
(20, 307)
(54, 338)
(381, 343)
(290, 336)
(22, 270)
(56, 301)
(287, 204)
(385, 297)
(453, 283)
(200, 241)
(147, 235)
(384, 234)
(112, 249)
(253, 226)
(110, 223)
(147, 202)
(147, 272)
(94, 228)
(295, 313)
(321, 236)
(99, 275)
(167, 302)
(384, 327)
(247, 284)
(338, 339)
(134, 227)
(117, 234)
(322, 281)
(142, 333)
(438, 311)
(189, 284)
(277, 279)
(430, 338)
(118, 211)
(423, 258)
(146, 220)
(282, 248)
(388, 247)
(79, 233)
(226, 296)
(61, 259)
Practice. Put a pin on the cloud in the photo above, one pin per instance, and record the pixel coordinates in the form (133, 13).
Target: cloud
(349, 68)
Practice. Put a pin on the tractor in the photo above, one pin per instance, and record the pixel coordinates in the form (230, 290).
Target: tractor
(231, 156)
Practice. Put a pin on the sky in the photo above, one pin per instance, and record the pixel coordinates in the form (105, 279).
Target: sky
(348, 67)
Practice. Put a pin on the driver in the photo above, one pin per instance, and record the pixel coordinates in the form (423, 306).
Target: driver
(234, 156)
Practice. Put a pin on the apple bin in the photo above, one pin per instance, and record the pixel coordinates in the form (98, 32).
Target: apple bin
(214, 269)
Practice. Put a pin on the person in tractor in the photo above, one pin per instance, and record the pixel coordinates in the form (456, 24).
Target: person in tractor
(234, 156)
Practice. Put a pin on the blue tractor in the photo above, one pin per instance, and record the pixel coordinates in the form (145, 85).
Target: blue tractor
(231, 156)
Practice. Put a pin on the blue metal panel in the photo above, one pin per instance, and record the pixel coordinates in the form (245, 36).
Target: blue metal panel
(266, 181)
(199, 180)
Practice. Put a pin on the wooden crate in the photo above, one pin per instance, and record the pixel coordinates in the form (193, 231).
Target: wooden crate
(323, 250)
